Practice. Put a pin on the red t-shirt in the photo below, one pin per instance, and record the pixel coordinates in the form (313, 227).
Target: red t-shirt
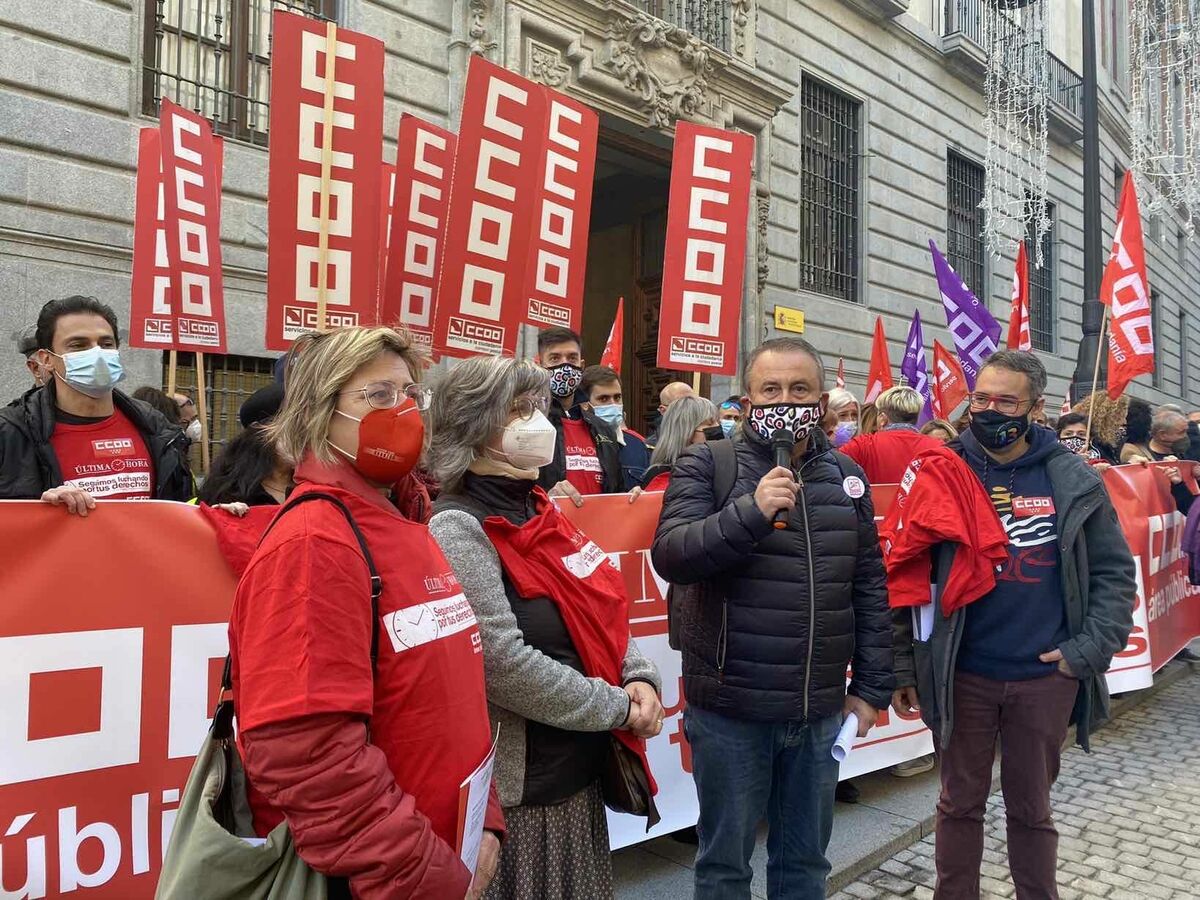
(108, 459)
(300, 637)
(583, 463)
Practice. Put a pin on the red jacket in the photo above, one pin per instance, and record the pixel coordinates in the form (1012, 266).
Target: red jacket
(941, 500)
(380, 810)
(885, 454)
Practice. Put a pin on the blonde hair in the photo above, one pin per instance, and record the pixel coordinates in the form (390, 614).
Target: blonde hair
(901, 404)
(1108, 417)
(316, 376)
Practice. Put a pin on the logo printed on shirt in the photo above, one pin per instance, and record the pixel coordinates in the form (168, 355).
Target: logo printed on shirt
(586, 561)
(117, 483)
(579, 463)
(423, 623)
(110, 447)
(1024, 507)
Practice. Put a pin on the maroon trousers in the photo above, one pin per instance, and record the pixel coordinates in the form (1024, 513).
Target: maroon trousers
(1031, 719)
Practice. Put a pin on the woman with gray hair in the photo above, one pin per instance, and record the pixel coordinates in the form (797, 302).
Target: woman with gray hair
(572, 695)
(687, 421)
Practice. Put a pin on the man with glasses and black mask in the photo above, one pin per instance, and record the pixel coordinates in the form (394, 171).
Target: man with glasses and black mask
(784, 588)
(587, 457)
(78, 438)
(1029, 657)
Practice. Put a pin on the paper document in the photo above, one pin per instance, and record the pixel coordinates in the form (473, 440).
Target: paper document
(922, 621)
(846, 737)
(472, 808)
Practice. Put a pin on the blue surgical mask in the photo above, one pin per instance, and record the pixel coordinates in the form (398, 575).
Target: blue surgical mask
(94, 371)
(612, 413)
(727, 425)
(844, 432)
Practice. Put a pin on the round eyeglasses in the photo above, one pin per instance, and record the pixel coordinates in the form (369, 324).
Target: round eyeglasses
(385, 395)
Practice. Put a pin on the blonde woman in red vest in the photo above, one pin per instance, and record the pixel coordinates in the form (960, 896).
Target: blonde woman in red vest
(359, 718)
(567, 687)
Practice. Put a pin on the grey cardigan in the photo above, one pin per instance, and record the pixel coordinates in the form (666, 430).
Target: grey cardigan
(522, 682)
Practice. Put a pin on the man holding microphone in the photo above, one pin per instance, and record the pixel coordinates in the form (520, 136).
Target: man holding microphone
(773, 535)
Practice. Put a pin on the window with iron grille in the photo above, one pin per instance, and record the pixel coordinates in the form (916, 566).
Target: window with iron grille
(706, 19)
(829, 172)
(964, 221)
(1043, 311)
(228, 382)
(214, 57)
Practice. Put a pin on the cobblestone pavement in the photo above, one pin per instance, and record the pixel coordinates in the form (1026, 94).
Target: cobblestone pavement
(1128, 815)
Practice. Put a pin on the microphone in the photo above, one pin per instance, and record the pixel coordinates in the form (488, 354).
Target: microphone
(782, 443)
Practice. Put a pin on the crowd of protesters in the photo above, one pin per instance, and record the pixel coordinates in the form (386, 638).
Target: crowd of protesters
(357, 494)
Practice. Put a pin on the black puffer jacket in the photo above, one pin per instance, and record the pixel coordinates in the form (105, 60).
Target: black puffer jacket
(28, 466)
(782, 612)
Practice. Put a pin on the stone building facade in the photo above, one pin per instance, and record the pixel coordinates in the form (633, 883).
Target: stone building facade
(867, 116)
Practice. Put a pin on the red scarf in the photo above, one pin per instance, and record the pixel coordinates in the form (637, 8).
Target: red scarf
(549, 557)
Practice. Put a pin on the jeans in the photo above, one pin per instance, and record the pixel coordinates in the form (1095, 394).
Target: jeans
(746, 769)
(1031, 719)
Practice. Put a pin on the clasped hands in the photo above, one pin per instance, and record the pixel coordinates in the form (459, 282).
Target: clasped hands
(645, 711)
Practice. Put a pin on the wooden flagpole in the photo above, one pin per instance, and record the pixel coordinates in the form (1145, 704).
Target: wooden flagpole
(696, 383)
(1096, 378)
(172, 366)
(202, 412)
(326, 173)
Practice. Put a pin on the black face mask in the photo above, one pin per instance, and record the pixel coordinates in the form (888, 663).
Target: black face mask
(714, 433)
(1179, 448)
(994, 430)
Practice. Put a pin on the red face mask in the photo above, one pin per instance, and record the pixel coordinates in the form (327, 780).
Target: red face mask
(389, 442)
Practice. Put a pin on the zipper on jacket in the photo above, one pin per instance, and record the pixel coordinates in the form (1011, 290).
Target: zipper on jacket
(812, 585)
(722, 638)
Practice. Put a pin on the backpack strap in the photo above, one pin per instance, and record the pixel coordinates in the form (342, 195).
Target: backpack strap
(223, 716)
(725, 471)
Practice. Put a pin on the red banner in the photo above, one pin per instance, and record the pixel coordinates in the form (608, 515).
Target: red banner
(611, 356)
(296, 263)
(191, 159)
(1167, 616)
(949, 382)
(558, 253)
(1018, 318)
(151, 317)
(1125, 292)
(493, 194)
(705, 256)
(879, 376)
(424, 160)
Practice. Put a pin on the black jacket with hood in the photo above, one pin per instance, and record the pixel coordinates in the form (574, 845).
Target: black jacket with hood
(28, 466)
(781, 612)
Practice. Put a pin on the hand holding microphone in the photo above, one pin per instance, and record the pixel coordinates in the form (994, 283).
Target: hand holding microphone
(775, 495)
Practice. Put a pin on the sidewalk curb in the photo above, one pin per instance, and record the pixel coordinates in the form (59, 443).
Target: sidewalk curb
(1170, 674)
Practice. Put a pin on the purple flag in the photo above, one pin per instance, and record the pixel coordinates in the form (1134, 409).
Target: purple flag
(914, 368)
(976, 334)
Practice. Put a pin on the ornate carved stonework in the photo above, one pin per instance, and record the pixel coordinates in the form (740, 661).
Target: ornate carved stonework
(480, 42)
(763, 258)
(743, 26)
(546, 65)
(666, 67)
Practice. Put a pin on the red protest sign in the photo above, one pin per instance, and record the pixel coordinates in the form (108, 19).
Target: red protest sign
(424, 160)
(192, 225)
(297, 264)
(1125, 291)
(151, 324)
(492, 198)
(705, 255)
(558, 252)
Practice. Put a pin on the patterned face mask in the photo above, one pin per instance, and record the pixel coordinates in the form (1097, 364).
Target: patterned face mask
(1075, 443)
(798, 418)
(565, 380)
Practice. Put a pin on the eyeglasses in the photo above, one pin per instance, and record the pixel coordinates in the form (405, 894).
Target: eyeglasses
(385, 395)
(525, 406)
(1006, 405)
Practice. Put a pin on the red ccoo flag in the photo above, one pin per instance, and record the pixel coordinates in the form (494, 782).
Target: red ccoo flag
(1125, 292)
(1018, 320)
(611, 356)
(879, 379)
(949, 382)
(841, 375)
